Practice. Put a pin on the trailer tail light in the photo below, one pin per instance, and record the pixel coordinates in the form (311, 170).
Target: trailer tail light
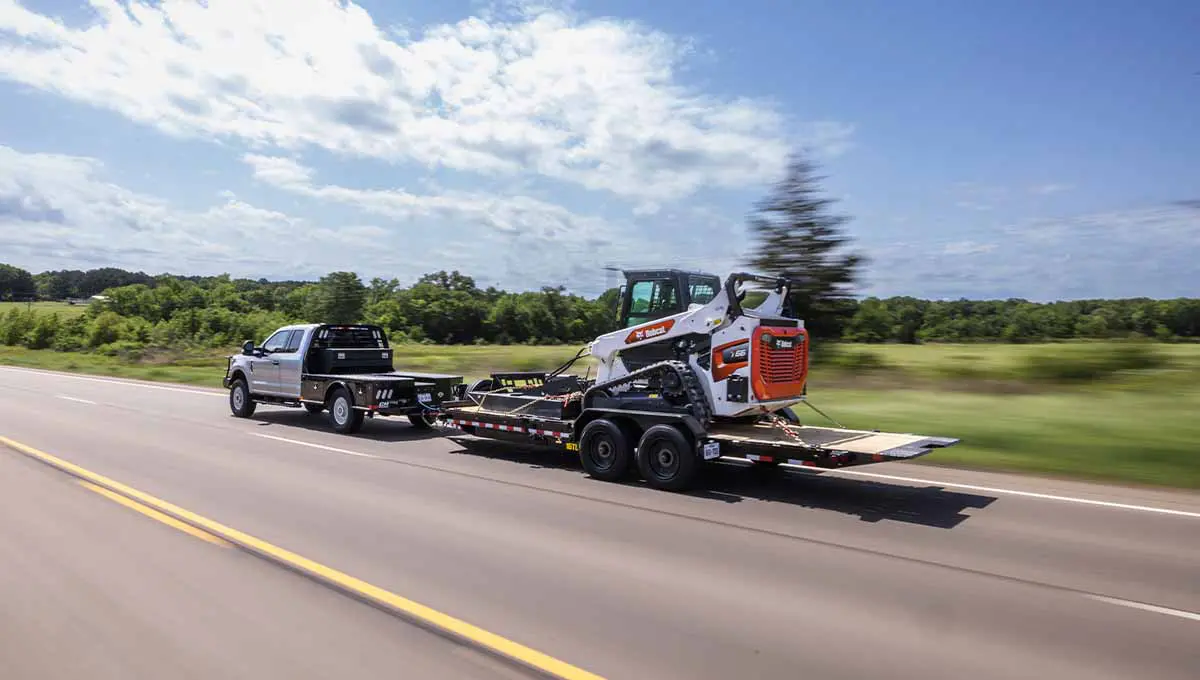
(779, 359)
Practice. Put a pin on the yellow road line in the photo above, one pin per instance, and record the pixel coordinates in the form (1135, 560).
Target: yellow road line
(154, 514)
(445, 622)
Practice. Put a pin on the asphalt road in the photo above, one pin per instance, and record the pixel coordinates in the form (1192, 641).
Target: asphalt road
(891, 570)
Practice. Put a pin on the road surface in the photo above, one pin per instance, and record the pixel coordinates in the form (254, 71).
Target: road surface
(891, 570)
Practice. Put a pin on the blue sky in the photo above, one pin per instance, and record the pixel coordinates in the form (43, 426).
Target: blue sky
(1037, 150)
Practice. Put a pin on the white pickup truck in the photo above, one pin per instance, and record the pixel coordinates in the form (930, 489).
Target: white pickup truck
(343, 368)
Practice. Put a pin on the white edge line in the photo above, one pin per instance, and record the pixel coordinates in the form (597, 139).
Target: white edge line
(1146, 607)
(859, 473)
(81, 401)
(1013, 492)
(333, 449)
(110, 381)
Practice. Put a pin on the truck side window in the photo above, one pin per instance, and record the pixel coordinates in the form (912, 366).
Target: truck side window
(276, 342)
(293, 343)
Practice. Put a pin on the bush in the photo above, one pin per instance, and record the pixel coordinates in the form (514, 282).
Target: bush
(44, 332)
(105, 329)
(15, 325)
(1089, 362)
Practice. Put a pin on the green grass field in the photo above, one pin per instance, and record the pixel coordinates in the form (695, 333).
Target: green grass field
(63, 309)
(1097, 411)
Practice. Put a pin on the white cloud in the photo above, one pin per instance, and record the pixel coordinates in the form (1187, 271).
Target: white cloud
(60, 212)
(594, 102)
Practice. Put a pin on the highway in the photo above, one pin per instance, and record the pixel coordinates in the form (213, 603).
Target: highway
(147, 533)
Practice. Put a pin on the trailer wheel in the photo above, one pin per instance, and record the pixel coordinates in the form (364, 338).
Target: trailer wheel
(342, 415)
(239, 399)
(422, 421)
(666, 458)
(604, 450)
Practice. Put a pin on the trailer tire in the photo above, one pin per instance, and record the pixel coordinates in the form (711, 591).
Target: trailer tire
(667, 459)
(604, 450)
(240, 402)
(344, 418)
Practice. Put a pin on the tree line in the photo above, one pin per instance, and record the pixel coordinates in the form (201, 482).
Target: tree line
(449, 308)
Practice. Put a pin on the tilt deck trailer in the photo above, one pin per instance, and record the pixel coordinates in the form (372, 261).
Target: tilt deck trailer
(699, 371)
(666, 448)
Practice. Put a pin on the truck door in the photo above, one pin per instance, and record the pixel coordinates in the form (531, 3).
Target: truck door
(264, 371)
(288, 363)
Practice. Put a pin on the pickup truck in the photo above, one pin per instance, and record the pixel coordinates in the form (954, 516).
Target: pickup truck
(345, 368)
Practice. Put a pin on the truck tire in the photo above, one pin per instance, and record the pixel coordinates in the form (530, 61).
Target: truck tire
(667, 459)
(604, 450)
(422, 421)
(239, 399)
(344, 418)
(313, 408)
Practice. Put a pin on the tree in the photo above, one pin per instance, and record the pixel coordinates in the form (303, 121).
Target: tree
(797, 237)
(16, 283)
(339, 297)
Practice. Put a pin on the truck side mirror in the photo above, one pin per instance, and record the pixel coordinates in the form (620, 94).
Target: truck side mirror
(248, 347)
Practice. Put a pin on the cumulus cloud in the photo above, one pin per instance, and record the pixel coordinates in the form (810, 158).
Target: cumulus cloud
(59, 211)
(594, 102)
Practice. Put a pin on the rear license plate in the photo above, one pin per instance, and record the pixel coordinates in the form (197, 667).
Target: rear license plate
(424, 397)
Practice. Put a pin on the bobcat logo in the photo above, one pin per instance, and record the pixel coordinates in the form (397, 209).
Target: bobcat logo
(648, 332)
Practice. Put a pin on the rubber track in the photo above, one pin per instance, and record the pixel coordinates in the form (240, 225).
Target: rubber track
(687, 378)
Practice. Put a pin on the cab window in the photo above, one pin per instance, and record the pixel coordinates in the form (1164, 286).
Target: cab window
(277, 341)
(649, 300)
(701, 291)
(293, 343)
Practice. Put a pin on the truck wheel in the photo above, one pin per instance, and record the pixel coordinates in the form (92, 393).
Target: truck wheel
(604, 450)
(314, 408)
(666, 459)
(422, 421)
(342, 415)
(239, 399)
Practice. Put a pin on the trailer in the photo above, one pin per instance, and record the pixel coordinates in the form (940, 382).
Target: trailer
(614, 438)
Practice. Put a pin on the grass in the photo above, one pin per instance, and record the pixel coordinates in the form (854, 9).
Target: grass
(63, 309)
(1118, 435)
(1097, 411)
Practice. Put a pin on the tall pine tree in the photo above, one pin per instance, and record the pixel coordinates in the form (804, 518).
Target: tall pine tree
(798, 237)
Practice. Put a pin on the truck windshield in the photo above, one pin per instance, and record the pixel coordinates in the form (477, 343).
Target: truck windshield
(349, 337)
